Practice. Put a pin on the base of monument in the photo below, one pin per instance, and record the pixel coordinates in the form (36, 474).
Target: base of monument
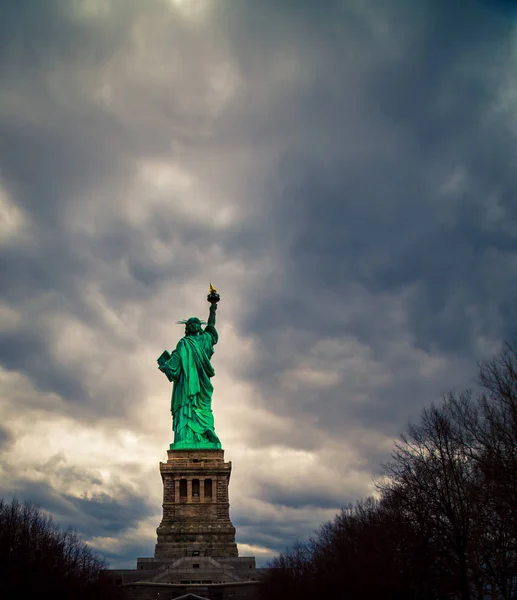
(190, 577)
(192, 446)
(206, 546)
(196, 519)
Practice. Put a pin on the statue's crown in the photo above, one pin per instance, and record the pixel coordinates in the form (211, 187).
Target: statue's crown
(191, 320)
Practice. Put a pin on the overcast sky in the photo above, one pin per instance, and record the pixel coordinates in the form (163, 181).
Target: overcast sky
(345, 173)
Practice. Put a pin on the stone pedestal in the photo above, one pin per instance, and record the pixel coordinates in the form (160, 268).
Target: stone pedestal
(196, 510)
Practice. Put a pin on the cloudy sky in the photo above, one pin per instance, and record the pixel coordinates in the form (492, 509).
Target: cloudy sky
(345, 172)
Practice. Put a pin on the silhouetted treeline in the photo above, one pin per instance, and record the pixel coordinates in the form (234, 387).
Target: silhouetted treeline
(445, 523)
(39, 560)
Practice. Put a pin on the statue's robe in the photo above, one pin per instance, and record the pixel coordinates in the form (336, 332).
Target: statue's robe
(190, 370)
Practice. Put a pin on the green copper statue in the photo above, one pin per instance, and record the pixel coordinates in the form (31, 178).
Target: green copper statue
(189, 369)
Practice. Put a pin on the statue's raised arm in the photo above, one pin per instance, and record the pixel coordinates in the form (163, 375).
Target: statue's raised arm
(213, 297)
(190, 370)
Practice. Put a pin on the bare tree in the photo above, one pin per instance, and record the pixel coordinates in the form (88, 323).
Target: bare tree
(488, 434)
(37, 559)
(445, 526)
(437, 486)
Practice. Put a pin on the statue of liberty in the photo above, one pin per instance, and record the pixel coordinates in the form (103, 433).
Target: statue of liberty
(189, 369)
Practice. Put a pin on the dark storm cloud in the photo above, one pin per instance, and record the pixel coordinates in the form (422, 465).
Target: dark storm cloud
(6, 438)
(396, 176)
(25, 351)
(386, 225)
(126, 558)
(62, 144)
(272, 533)
(344, 206)
(55, 156)
(48, 154)
(275, 538)
(98, 515)
(379, 215)
(300, 497)
(507, 7)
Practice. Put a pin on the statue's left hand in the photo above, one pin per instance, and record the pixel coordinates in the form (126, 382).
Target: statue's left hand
(167, 372)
